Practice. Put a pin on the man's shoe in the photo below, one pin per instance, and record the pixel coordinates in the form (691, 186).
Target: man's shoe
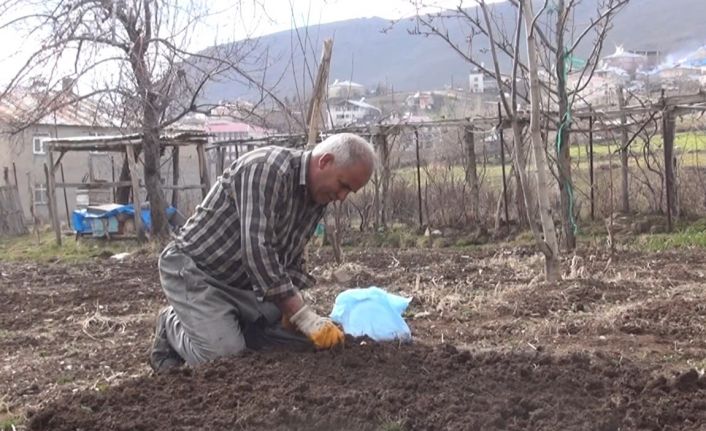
(162, 356)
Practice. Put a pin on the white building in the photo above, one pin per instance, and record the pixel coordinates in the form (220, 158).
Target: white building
(345, 90)
(348, 112)
(476, 82)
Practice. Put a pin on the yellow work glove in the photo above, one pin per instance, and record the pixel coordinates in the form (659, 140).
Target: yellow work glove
(320, 330)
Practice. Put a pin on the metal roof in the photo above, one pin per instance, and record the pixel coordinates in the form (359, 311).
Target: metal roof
(28, 106)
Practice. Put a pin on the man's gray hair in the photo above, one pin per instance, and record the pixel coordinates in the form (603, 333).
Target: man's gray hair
(347, 149)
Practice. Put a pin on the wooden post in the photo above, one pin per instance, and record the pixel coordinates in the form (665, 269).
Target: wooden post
(137, 204)
(668, 129)
(51, 197)
(624, 162)
(419, 177)
(35, 219)
(203, 170)
(14, 174)
(314, 111)
(112, 172)
(590, 165)
(471, 171)
(220, 160)
(175, 175)
(502, 162)
(66, 199)
(383, 150)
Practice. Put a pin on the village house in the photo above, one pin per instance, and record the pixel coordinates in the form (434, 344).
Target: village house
(230, 131)
(421, 101)
(601, 89)
(346, 90)
(350, 112)
(628, 61)
(25, 152)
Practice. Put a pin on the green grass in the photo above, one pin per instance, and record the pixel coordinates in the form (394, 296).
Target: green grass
(63, 380)
(690, 237)
(29, 248)
(9, 423)
(392, 425)
(685, 142)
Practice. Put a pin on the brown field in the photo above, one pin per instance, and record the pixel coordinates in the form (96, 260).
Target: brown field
(618, 345)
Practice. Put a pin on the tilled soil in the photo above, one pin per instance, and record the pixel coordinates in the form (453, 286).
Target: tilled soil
(372, 386)
(618, 345)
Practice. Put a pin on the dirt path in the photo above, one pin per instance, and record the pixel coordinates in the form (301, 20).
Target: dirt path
(616, 345)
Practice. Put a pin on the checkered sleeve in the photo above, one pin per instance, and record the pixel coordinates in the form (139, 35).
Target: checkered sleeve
(299, 276)
(260, 188)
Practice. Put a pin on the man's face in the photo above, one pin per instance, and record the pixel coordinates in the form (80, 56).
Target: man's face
(329, 182)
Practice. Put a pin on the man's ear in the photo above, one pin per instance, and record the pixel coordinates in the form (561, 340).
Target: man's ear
(325, 160)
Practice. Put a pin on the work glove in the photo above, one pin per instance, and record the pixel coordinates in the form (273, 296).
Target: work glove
(320, 330)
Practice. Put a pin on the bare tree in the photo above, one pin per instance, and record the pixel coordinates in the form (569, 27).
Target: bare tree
(548, 53)
(131, 56)
(564, 50)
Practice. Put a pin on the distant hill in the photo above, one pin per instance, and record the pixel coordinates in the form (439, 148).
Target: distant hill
(371, 51)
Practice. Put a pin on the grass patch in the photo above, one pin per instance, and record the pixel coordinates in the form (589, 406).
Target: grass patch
(9, 423)
(395, 237)
(396, 425)
(690, 237)
(63, 380)
(28, 248)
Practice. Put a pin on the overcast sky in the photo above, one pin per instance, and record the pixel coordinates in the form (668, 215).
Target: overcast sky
(249, 18)
(232, 20)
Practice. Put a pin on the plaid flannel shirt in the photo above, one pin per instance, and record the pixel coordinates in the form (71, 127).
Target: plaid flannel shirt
(250, 230)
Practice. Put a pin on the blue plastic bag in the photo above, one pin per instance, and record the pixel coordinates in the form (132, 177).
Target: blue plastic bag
(372, 312)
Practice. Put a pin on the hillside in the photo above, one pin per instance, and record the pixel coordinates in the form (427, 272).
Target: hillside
(371, 51)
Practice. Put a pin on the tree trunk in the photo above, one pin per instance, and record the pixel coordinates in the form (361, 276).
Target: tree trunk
(153, 178)
(563, 137)
(548, 244)
(624, 167)
(472, 172)
(522, 194)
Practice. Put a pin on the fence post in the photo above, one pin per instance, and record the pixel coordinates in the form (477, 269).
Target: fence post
(590, 165)
(668, 129)
(380, 144)
(51, 197)
(203, 170)
(471, 172)
(136, 203)
(419, 177)
(502, 161)
(175, 175)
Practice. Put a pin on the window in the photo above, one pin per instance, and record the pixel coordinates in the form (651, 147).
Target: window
(40, 194)
(96, 134)
(38, 144)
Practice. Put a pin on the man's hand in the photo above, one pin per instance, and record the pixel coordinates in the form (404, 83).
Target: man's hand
(320, 330)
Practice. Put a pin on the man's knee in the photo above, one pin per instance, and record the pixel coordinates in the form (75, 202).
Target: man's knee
(212, 345)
